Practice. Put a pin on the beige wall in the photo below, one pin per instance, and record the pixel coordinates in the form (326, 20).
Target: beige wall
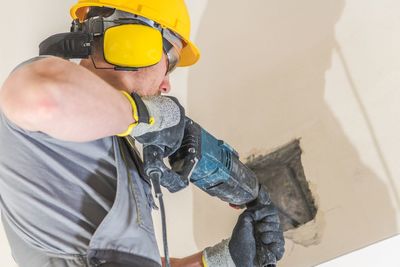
(325, 71)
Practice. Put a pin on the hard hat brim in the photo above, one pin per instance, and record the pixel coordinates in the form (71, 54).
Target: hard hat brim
(190, 54)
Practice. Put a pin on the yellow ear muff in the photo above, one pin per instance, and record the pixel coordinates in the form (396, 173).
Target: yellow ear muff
(132, 45)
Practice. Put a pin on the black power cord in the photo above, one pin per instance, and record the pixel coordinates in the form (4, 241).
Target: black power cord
(155, 177)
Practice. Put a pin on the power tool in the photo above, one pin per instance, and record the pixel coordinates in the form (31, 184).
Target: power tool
(209, 163)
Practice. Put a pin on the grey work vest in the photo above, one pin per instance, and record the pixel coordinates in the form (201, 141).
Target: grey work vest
(68, 204)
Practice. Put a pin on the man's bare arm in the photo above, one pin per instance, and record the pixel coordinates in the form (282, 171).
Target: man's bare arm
(65, 101)
(194, 260)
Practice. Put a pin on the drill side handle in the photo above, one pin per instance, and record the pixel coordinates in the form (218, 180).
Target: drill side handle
(154, 164)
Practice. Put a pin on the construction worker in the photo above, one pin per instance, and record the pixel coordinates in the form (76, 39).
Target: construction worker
(72, 190)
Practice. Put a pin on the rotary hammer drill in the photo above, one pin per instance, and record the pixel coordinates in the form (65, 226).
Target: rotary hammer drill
(209, 163)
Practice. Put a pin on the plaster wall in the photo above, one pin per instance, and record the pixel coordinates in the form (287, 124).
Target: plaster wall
(323, 71)
(271, 71)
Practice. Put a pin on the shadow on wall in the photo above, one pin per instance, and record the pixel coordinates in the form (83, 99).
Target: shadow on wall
(259, 84)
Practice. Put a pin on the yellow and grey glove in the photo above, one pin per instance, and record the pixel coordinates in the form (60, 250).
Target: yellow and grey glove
(159, 121)
(218, 255)
(164, 113)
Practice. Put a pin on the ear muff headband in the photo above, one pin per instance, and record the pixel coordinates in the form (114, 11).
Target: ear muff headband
(128, 44)
(132, 45)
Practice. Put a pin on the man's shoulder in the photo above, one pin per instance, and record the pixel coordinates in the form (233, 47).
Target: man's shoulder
(29, 61)
(37, 58)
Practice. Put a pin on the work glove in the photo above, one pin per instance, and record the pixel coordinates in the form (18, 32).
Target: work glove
(166, 132)
(257, 239)
(159, 127)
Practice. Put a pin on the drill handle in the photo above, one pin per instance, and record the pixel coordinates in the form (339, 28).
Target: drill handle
(264, 256)
(154, 163)
(262, 199)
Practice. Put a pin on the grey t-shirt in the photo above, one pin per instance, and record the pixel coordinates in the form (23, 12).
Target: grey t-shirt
(51, 188)
(74, 204)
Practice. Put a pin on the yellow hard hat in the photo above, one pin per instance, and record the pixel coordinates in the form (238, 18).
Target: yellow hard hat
(171, 14)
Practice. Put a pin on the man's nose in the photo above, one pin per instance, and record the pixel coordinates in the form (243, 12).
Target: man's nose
(165, 85)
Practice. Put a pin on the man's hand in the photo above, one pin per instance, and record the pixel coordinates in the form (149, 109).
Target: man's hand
(159, 127)
(169, 122)
(257, 239)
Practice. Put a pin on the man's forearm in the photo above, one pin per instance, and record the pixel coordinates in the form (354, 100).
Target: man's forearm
(65, 101)
(194, 260)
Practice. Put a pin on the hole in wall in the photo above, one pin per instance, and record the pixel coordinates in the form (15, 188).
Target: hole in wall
(283, 174)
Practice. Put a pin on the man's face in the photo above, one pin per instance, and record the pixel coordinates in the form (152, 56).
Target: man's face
(147, 81)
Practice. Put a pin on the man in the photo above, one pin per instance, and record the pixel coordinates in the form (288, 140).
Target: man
(72, 190)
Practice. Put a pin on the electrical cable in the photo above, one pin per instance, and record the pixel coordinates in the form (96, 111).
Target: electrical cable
(155, 179)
